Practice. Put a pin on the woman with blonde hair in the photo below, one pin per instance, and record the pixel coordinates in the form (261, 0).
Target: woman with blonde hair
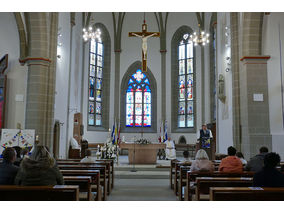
(39, 170)
(202, 162)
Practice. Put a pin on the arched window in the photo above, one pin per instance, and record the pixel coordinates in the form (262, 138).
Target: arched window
(183, 81)
(98, 80)
(138, 100)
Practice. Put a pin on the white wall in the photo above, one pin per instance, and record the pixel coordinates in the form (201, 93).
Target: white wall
(131, 52)
(271, 46)
(224, 110)
(16, 74)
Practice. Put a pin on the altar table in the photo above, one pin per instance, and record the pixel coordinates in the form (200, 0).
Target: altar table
(144, 153)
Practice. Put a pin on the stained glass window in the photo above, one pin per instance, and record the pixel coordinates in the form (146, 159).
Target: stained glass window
(185, 83)
(95, 83)
(138, 101)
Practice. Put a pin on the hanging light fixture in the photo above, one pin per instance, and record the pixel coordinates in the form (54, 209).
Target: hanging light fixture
(90, 34)
(200, 38)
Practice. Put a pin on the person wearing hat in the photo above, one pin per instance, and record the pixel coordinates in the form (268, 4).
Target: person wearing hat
(204, 136)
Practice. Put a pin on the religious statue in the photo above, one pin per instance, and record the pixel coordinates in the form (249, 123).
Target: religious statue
(144, 42)
(221, 88)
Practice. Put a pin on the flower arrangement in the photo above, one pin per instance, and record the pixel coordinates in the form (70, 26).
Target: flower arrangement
(109, 150)
(143, 141)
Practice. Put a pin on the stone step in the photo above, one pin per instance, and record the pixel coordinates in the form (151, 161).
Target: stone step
(141, 174)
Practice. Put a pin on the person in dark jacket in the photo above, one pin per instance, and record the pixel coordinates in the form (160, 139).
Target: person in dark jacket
(8, 170)
(39, 170)
(255, 164)
(269, 176)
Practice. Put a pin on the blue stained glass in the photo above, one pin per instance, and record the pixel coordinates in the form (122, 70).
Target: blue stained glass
(92, 70)
(190, 121)
(91, 107)
(189, 107)
(130, 81)
(138, 121)
(129, 97)
(143, 85)
(146, 81)
(129, 109)
(98, 120)
(99, 96)
(181, 121)
(147, 120)
(147, 109)
(181, 108)
(138, 109)
(99, 72)
(138, 97)
(98, 108)
(129, 120)
(129, 89)
(91, 95)
(189, 80)
(147, 97)
(99, 84)
(91, 119)
(138, 88)
(182, 81)
(134, 85)
(147, 89)
(92, 83)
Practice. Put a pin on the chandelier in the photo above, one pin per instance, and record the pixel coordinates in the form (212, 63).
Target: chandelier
(91, 35)
(200, 38)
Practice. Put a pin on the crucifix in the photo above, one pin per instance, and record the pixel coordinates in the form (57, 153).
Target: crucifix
(144, 35)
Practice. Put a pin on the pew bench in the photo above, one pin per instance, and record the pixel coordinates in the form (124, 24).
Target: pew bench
(203, 185)
(103, 167)
(246, 194)
(95, 184)
(84, 183)
(192, 176)
(39, 193)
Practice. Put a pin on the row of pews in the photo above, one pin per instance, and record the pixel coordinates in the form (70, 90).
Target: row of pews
(218, 186)
(82, 181)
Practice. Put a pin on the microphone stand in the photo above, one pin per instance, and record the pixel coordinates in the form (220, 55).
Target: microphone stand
(133, 169)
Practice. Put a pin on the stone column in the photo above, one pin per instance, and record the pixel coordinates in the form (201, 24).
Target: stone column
(163, 83)
(254, 105)
(117, 86)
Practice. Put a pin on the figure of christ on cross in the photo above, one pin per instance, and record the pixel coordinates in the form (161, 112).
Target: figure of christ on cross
(144, 35)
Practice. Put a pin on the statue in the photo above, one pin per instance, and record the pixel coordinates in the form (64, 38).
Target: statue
(144, 42)
(221, 88)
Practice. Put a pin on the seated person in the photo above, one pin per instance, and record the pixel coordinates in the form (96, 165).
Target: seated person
(269, 176)
(39, 169)
(88, 158)
(231, 164)
(241, 156)
(18, 156)
(256, 163)
(186, 157)
(170, 149)
(202, 162)
(8, 170)
(25, 152)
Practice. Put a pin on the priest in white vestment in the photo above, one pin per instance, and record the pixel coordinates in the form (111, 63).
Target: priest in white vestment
(170, 149)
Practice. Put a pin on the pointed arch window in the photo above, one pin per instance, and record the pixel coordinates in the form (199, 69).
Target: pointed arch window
(185, 83)
(96, 55)
(138, 101)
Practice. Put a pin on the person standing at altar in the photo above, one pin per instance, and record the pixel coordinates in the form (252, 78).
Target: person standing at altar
(204, 136)
(170, 149)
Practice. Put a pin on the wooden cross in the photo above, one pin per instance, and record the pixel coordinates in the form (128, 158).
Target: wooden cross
(144, 35)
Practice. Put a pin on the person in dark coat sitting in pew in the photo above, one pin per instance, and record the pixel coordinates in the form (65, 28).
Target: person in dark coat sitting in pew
(8, 170)
(39, 170)
(269, 176)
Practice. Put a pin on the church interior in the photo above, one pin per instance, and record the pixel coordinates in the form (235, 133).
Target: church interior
(139, 92)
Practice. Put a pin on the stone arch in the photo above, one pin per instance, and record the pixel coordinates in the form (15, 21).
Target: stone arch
(22, 35)
(182, 140)
(131, 69)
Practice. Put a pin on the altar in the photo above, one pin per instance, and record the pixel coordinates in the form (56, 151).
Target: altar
(144, 153)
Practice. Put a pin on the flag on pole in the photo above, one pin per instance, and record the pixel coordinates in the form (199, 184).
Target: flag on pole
(166, 131)
(113, 134)
(160, 136)
(118, 137)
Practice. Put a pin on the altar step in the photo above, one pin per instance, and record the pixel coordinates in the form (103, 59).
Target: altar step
(141, 174)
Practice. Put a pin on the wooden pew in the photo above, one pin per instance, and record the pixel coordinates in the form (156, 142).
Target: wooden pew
(172, 172)
(39, 193)
(176, 177)
(182, 180)
(246, 194)
(107, 165)
(191, 178)
(203, 184)
(95, 174)
(84, 183)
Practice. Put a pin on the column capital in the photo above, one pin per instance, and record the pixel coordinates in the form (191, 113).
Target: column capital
(35, 61)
